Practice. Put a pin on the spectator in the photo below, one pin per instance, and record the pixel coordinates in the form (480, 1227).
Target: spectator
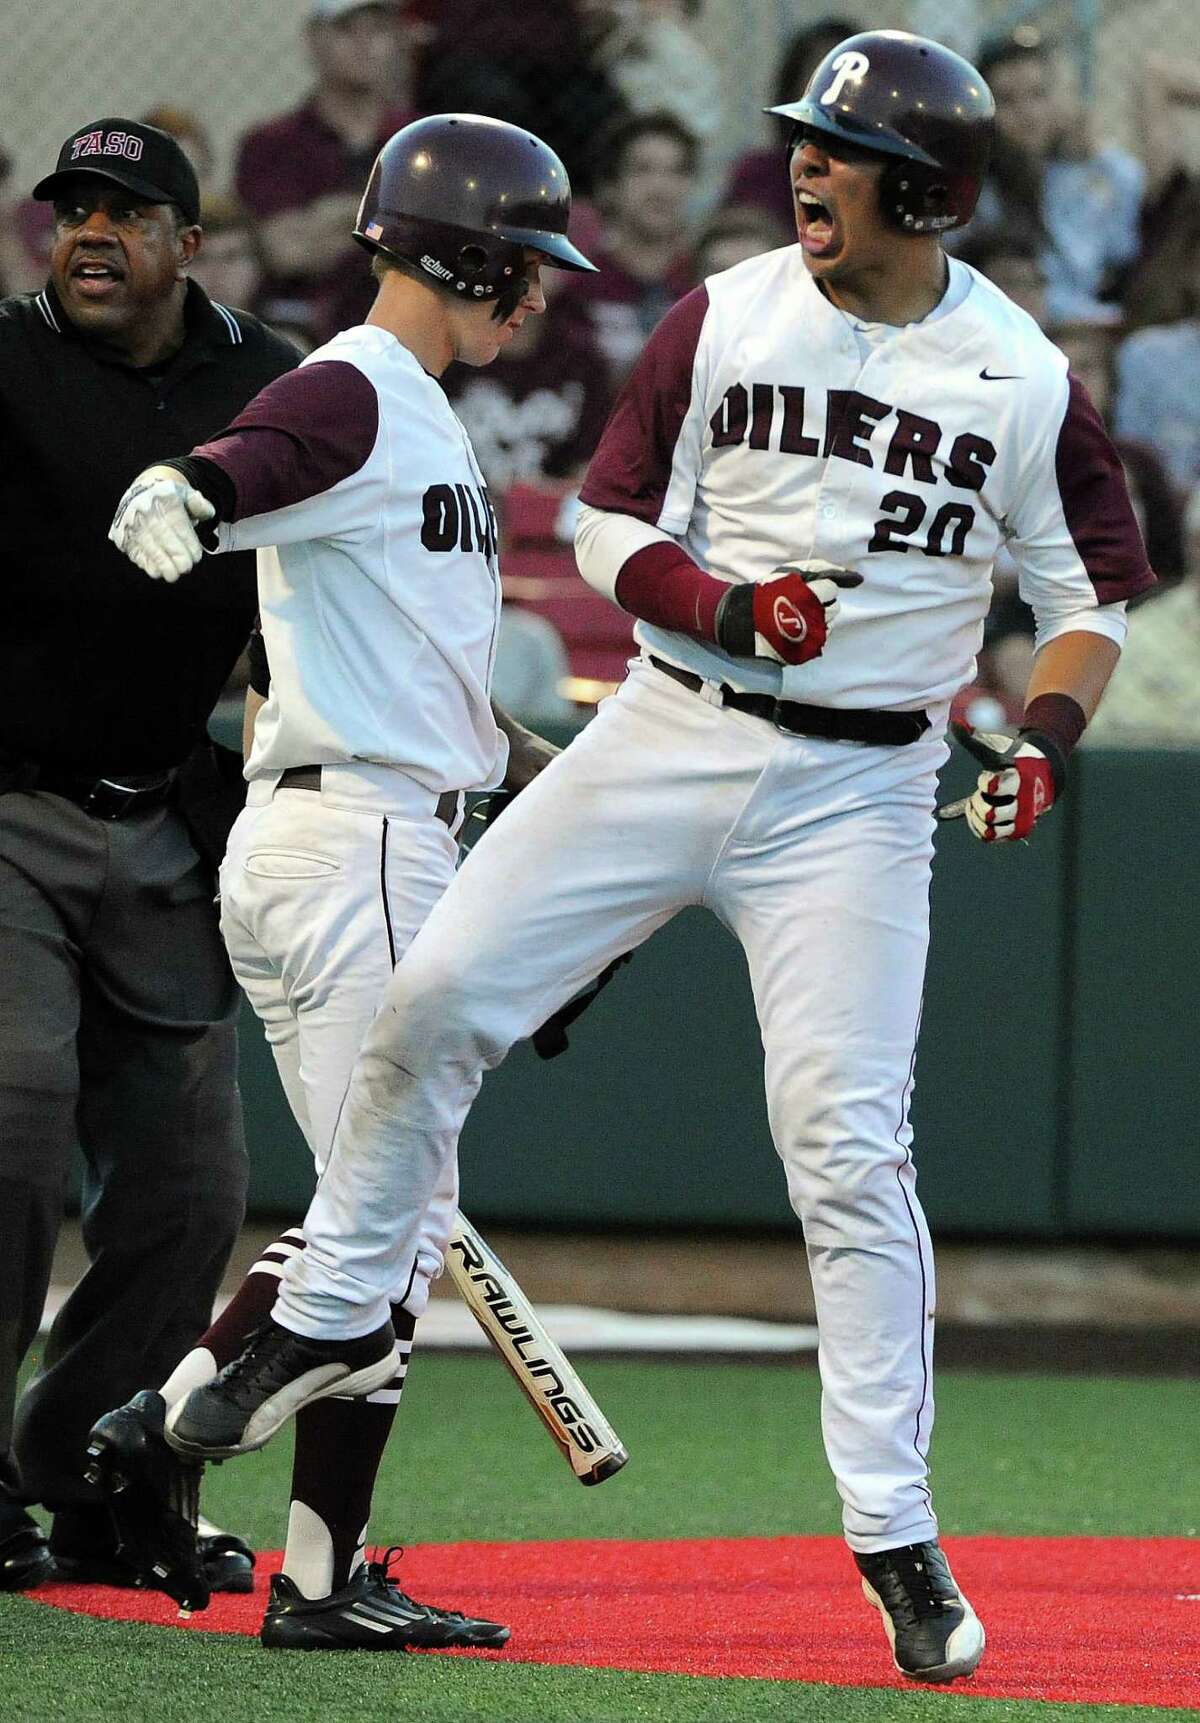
(1167, 93)
(536, 414)
(230, 266)
(531, 668)
(9, 255)
(651, 55)
(1047, 186)
(26, 234)
(1158, 368)
(644, 178)
(758, 178)
(301, 174)
(736, 233)
(1090, 350)
(1008, 639)
(193, 138)
(538, 73)
(1014, 264)
(1151, 701)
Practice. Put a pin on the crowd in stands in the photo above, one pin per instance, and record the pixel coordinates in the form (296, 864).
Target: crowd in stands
(1099, 244)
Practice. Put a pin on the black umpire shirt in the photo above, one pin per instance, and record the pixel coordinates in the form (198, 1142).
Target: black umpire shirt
(102, 670)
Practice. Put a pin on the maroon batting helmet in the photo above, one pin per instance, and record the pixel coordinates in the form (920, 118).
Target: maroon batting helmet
(915, 102)
(460, 197)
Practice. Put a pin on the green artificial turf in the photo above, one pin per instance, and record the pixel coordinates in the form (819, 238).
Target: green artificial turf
(717, 1449)
(67, 1667)
(734, 1450)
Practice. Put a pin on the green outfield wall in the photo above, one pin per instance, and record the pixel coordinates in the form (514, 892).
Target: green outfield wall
(1058, 1078)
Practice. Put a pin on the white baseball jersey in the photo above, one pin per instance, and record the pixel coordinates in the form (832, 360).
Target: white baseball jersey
(378, 582)
(762, 427)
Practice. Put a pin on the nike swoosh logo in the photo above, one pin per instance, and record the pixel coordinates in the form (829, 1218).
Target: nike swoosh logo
(999, 376)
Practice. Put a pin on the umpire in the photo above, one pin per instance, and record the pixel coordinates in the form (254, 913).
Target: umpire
(116, 1004)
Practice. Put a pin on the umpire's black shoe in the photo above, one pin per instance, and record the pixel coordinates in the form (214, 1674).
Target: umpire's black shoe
(276, 1374)
(25, 1559)
(935, 1634)
(226, 1561)
(154, 1497)
(369, 1614)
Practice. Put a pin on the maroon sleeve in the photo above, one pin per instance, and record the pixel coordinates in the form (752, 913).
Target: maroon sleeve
(631, 469)
(1096, 505)
(299, 436)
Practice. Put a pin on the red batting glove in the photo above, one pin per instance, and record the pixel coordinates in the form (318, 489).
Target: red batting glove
(787, 618)
(1023, 778)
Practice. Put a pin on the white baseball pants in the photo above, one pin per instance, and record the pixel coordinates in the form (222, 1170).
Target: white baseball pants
(817, 856)
(321, 894)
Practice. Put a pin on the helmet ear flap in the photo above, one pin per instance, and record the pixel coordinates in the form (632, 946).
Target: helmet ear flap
(471, 261)
(917, 199)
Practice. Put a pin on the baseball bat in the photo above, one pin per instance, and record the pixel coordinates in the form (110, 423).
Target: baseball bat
(984, 750)
(952, 810)
(581, 1432)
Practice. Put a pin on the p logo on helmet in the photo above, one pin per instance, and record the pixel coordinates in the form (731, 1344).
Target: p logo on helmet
(922, 109)
(850, 68)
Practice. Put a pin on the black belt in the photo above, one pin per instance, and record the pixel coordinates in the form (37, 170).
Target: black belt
(103, 798)
(309, 778)
(835, 724)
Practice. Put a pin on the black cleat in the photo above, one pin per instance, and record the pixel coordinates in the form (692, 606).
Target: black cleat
(154, 1498)
(273, 1377)
(228, 1559)
(25, 1559)
(934, 1633)
(227, 1563)
(369, 1614)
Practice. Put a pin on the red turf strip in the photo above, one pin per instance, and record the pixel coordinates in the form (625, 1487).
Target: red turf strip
(1094, 1620)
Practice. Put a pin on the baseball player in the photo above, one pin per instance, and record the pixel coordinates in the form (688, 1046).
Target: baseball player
(380, 598)
(800, 495)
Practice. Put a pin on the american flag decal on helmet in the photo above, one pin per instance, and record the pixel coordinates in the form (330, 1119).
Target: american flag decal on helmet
(373, 230)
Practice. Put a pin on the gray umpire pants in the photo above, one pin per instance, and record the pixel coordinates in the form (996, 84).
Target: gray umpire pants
(117, 1039)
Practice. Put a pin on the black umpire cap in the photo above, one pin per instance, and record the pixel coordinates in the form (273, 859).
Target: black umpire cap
(142, 158)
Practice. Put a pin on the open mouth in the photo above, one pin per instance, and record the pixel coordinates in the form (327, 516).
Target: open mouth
(816, 225)
(94, 277)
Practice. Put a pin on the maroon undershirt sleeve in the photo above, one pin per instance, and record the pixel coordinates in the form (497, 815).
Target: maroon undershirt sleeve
(662, 585)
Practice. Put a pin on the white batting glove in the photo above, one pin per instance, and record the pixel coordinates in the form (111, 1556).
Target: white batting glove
(153, 523)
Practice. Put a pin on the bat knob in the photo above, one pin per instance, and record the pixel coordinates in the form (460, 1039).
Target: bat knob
(608, 1465)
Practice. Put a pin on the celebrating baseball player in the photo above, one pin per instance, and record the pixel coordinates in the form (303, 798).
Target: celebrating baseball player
(799, 495)
(379, 599)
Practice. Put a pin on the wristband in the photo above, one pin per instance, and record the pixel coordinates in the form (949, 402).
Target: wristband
(1054, 723)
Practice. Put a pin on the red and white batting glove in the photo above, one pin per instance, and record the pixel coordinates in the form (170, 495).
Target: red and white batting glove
(1024, 775)
(786, 618)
